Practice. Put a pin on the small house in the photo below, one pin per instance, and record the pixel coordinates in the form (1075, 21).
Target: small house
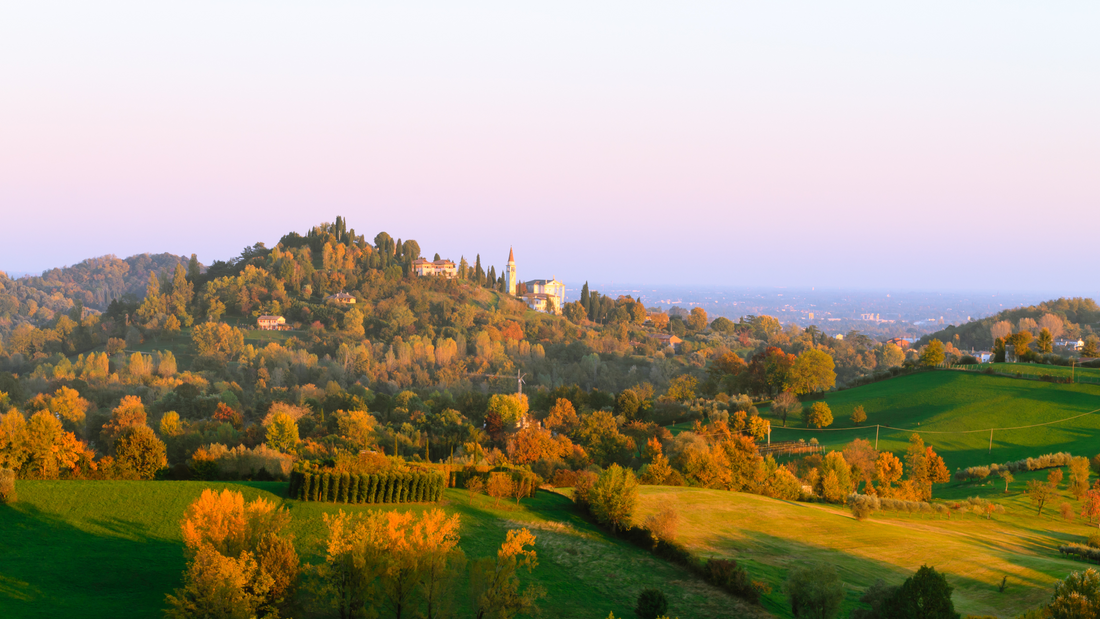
(271, 323)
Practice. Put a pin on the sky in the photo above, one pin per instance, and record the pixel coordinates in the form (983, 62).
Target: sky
(862, 145)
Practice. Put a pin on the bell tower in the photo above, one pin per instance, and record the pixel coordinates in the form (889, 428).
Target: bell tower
(511, 277)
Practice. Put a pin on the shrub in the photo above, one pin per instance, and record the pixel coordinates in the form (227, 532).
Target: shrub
(7, 486)
(815, 591)
(651, 604)
(726, 574)
(614, 496)
(863, 505)
(1094, 539)
(583, 489)
(662, 526)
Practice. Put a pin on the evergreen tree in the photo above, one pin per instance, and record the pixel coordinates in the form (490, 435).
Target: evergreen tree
(479, 273)
(193, 268)
(491, 280)
(584, 296)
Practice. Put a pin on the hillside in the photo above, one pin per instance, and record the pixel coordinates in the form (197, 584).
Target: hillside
(1080, 319)
(125, 537)
(771, 536)
(954, 411)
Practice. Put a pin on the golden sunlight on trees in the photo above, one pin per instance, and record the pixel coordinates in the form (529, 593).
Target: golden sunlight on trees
(819, 415)
(813, 371)
(495, 585)
(282, 432)
(392, 561)
(217, 340)
(239, 563)
(614, 497)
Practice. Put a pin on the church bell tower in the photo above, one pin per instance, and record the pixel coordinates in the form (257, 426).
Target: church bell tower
(511, 277)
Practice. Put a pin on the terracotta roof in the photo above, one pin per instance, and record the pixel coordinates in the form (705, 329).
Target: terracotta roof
(511, 258)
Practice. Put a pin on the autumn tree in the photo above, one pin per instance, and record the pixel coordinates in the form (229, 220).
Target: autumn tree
(769, 371)
(925, 468)
(628, 404)
(614, 497)
(499, 487)
(1040, 492)
(888, 471)
(813, 371)
(933, 354)
(1090, 506)
(697, 319)
(495, 585)
(1007, 476)
(600, 435)
(859, 415)
(562, 417)
(67, 404)
(355, 426)
(129, 412)
(240, 564)
(819, 415)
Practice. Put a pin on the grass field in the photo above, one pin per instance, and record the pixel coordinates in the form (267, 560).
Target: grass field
(1036, 370)
(954, 410)
(770, 536)
(113, 549)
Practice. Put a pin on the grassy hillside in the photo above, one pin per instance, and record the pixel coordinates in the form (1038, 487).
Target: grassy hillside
(113, 549)
(770, 536)
(942, 405)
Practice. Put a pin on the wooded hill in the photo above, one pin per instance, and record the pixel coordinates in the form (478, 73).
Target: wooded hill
(1080, 319)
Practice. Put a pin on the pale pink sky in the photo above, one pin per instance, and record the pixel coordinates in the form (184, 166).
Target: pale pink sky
(931, 145)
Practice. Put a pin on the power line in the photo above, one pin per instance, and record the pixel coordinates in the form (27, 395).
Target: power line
(920, 431)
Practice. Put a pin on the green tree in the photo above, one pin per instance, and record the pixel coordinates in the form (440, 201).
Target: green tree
(282, 432)
(1092, 347)
(933, 354)
(814, 591)
(651, 604)
(193, 269)
(614, 497)
(139, 452)
(925, 594)
(819, 415)
(1046, 341)
(217, 339)
(812, 371)
(628, 404)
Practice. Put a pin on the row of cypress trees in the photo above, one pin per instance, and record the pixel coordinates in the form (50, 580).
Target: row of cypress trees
(330, 487)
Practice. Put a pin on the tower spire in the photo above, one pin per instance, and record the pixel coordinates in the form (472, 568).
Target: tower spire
(511, 256)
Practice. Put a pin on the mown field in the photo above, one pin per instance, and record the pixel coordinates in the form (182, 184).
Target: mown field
(770, 536)
(113, 549)
(954, 410)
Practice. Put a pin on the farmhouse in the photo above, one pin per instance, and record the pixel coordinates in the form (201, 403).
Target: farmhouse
(341, 298)
(271, 323)
(666, 340)
(1074, 345)
(442, 268)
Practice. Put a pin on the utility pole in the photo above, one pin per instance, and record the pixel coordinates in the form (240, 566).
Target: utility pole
(876, 437)
(991, 440)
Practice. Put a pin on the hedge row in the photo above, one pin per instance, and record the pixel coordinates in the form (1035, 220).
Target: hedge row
(1087, 553)
(329, 487)
(1046, 461)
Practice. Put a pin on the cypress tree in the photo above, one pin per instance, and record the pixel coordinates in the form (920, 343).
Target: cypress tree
(584, 296)
(353, 489)
(193, 268)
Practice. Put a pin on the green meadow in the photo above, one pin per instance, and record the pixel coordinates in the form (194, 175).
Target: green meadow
(113, 549)
(954, 412)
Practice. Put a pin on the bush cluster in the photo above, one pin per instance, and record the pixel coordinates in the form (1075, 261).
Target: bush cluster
(336, 487)
(1047, 461)
(862, 505)
(218, 462)
(1084, 551)
(531, 481)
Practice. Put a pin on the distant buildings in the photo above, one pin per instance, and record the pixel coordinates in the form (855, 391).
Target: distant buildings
(271, 323)
(341, 298)
(900, 342)
(1074, 345)
(438, 268)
